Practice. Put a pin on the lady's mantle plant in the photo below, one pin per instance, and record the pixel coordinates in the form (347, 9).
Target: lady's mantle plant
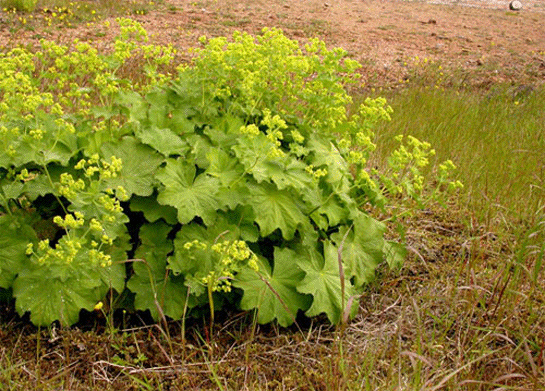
(240, 181)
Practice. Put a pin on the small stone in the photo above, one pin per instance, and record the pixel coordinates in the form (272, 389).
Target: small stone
(515, 5)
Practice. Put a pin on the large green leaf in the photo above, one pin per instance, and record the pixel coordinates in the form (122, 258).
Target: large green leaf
(243, 218)
(155, 288)
(15, 235)
(224, 131)
(48, 150)
(394, 253)
(362, 250)
(200, 146)
(114, 276)
(10, 189)
(285, 172)
(273, 294)
(195, 261)
(276, 209)
(38, 186)
(323, 282)
(326, 208)
(159, 107)
(154, 211)
(165, 141)
(57, 292)
(224, 167)
(294, 175)
(133, 103)
(191, 196)
(140, 163)
(253, 154)
(325, 154)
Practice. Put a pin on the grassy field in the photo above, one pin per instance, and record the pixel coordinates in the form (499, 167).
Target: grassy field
(465, 312)
(495, 137)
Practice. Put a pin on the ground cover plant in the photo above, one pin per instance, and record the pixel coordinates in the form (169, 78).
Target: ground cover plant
(227, 176)
(439, 323)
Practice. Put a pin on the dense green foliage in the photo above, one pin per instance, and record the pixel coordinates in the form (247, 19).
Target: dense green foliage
(239, 180)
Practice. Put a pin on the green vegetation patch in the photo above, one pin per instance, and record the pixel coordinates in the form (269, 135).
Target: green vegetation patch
(241, 179)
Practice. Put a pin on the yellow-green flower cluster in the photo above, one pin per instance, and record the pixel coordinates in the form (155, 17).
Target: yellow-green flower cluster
(69, 187)
(130, 45)
(251, 130)
(273, 121)
(195, 244)
(74, 244)
(297, 137)
(232, 256)
(58, 78)
(407, 171)
(406, 164)
(64, 253)
(443, 175)
(119, 192)
(104, 169)
(131, 30)
(99, 258)
(106, 207)
(274, 125)
(316, 173)
(25, 175)
(70, 221)
(271, 71)
(417, 153)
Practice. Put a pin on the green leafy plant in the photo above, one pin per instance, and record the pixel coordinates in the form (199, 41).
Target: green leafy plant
(20, 5)
(246, 171)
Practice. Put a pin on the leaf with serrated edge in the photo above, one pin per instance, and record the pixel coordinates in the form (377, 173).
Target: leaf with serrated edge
(165, 141)
(50, 294)
(362, 249)
(285, 172)
(326, 154)
(140, 163)
(191, 196)
(224, 167)
(14, 237)
(152, 210)
(322, 281)
(155, 289)
(276, 209)
(394, 253)
(273, 294)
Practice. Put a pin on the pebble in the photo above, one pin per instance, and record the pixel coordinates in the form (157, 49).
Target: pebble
(515, 5)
